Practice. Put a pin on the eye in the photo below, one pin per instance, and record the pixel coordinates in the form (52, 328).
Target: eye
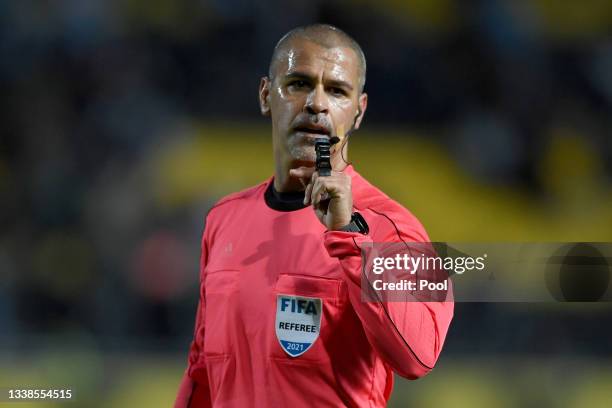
(298, 84)
(337, 91)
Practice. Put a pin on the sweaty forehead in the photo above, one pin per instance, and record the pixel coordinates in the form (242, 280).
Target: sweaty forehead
(307, 57)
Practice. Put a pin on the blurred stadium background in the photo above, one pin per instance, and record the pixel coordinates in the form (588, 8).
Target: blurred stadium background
(122, 122)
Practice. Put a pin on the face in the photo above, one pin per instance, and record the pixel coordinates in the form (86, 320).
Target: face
(314, 92)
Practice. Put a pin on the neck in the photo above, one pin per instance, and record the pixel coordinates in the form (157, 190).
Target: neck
(283, 183)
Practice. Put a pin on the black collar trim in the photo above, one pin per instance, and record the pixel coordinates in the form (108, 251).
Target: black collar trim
(278, 201)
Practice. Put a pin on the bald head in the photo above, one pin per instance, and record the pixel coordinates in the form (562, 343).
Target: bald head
(324, 35)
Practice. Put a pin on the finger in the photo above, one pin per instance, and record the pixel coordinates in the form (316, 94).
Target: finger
(307, 193)
(312, 192)
(302, 172)
(320, 214)
(319, 189)
(334, 187)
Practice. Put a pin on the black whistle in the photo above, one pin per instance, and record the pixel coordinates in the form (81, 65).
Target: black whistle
(322, 148)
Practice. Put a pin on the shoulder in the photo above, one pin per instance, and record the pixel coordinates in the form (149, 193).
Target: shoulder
(387, 218)
(237, 200)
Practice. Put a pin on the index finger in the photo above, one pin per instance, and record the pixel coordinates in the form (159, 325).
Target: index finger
(302, 172)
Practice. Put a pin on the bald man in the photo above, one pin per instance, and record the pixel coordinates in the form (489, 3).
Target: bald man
(281, 321)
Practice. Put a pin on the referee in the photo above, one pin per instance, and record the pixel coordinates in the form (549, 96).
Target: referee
(281, 321)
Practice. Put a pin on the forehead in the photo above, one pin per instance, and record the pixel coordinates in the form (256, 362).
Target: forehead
(307, 57)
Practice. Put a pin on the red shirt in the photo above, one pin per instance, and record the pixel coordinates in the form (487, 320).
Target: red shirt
(262, 266)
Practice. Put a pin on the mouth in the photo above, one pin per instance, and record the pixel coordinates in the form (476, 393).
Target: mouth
(313, 131)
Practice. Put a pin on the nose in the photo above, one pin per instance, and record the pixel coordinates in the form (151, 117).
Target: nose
(316, 102)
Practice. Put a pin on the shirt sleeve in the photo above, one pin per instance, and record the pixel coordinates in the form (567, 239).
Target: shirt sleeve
(407, 335)
(187, 386)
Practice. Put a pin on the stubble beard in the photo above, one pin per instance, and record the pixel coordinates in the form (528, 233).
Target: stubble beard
(302, 150)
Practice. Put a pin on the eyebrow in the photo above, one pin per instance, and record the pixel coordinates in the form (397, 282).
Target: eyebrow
(333, 82)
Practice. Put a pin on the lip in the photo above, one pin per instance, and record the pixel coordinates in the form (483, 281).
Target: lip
(309, 137)
(309, 129)
(313, 135)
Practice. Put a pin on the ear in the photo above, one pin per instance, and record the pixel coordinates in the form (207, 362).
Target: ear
(363, 105)
(264, 96)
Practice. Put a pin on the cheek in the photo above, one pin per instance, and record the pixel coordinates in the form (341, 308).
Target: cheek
(286, 108)
(343, 112)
